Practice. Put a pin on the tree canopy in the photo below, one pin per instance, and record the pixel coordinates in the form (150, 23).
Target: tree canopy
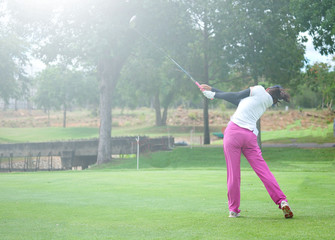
(225, 43)
(319, 78)
(318, 19)
(14, 81)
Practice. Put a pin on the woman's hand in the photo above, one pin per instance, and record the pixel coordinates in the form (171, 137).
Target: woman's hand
(209, 94)
(206, 87)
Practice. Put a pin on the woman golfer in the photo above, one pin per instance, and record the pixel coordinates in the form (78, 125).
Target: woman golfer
(240, 136)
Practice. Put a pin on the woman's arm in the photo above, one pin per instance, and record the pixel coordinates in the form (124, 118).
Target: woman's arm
(232, 97)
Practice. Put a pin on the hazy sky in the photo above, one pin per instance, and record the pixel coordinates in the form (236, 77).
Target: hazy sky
(313, 56)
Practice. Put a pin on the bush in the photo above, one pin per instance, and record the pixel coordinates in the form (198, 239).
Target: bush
(307, 99)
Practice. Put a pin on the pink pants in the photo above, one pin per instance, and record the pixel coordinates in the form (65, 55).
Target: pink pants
(239, 140)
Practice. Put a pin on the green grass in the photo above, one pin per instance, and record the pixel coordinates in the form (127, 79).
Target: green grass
(312, 134)
(175, 195)
(212, 158)
(14, 135)
(154, 131)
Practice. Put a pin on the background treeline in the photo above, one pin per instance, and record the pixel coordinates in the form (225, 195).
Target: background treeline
(230, 44)
(93, 59)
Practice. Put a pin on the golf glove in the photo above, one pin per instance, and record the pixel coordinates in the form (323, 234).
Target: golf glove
(209, 94)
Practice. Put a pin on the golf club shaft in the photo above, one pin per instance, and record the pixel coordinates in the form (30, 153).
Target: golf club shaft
(167, 55)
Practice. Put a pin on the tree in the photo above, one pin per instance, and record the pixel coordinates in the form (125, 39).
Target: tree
(319, 78)
(261, 41)
(94, 34)
(13, 58)
(88, 91)
(58, 88)
(206, 54)
(151, 81)
(257, 40)
(318, 18)
(264, 41)
(164, 31)
(142, 80)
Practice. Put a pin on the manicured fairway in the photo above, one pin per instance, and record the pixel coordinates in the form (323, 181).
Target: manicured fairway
(161, 204)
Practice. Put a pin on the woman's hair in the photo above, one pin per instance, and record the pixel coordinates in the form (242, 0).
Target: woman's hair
(278, 93)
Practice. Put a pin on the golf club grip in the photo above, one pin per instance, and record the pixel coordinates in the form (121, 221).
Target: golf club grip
(199, 86)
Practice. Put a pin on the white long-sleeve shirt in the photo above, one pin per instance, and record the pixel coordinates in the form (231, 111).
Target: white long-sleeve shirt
(251, 108)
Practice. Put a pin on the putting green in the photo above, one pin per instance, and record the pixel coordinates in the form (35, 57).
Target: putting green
(161, 204)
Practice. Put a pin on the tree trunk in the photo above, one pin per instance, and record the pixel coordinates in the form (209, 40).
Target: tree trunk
(104, 147)
(64, 116)
(166, 103)
(207, 139)
(48, 118)
(323, 102)
(259, 138)
(157, 107)
(164, 117)
(109, 68)
(206, 123)
(258, 126)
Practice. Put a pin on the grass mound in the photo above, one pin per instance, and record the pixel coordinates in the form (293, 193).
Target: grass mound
(278, 159)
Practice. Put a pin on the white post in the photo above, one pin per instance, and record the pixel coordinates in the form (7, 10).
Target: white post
(138, 152)
(168, 137)
(191, 137)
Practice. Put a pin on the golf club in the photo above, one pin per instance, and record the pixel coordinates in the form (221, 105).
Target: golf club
(132, 25)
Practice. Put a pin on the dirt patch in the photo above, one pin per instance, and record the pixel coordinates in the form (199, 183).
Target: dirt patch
(296, 120)
(271, 120)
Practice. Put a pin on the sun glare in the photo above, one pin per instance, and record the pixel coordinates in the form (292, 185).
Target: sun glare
(46, 5)
(40, 4)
